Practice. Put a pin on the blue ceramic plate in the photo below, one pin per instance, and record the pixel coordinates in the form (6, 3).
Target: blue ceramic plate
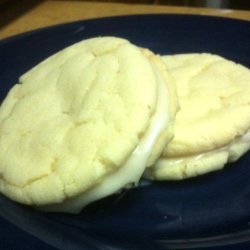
(207, 211)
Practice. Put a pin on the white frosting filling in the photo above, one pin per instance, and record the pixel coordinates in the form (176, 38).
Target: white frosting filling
(133, 168)
(233, 151)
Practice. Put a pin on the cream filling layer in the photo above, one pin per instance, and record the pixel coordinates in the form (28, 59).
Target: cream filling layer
(131, 172)
(231, 152)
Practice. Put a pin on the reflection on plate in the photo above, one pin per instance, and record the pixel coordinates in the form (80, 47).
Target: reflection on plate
(210, 210)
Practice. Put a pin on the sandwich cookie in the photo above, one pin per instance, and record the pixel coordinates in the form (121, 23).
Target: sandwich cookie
(83, 124)
(212, 127)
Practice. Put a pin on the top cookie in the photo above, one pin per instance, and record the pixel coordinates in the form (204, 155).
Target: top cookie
(76, 118)
(212, 126)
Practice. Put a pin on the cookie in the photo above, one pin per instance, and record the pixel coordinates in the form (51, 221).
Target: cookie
(83, 124)
(212, 127)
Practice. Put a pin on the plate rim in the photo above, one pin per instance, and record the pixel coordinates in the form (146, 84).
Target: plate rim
(77, 22)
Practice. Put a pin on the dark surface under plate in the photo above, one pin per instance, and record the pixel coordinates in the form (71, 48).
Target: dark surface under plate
(207, 211)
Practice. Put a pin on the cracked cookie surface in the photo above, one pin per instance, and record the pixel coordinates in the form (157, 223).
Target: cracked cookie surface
(73, 119)
(213, 124)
